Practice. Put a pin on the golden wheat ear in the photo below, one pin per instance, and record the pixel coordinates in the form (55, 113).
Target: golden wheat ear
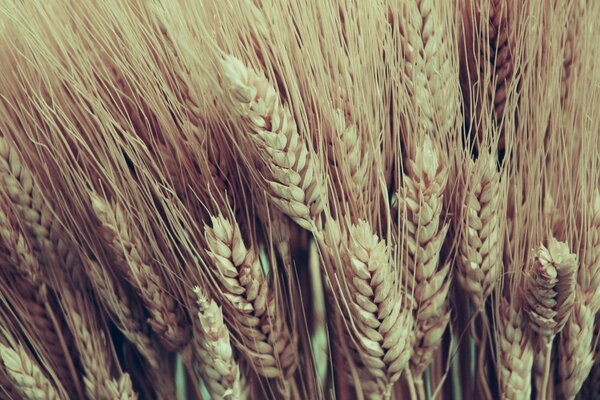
(167, 318)
(25, 374)
(249, 303)
(292, 172)
(213, 351)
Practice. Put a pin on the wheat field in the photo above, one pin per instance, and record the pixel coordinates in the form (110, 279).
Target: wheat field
(299, 199)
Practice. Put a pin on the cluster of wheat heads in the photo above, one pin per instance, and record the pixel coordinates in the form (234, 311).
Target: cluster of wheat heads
(255, 199)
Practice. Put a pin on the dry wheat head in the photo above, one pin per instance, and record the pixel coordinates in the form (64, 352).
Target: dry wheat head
(25, 373)
(212, 347)
(550, 288)
(589, 271)
(420, 204)
(293, 177)
(576, 348)
(515, 359)
(379, 320)
(249, 302)
(166, 317)
(121, 389)
(480, 245)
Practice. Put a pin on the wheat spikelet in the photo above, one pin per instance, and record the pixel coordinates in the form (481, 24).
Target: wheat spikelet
(420, 203)
(381, 323)
(121, 389)
(246, 292)
(550, 288)
(293, 173)
(480, 246)
(515, 359)
(167, 319)
(575, 348)
(26, 375)
(220, 371)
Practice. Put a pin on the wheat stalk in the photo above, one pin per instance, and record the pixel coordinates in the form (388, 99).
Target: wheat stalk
(575, 348)
(167, 319)
(420, 204)
(515, 359)
(212, 347)
(480, 245)
(292, 172)
(26, 375)
(549, 294)
(379, 323)
(249, 302)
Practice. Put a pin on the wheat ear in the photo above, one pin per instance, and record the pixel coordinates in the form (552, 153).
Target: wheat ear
(292, 172)
(480, 245)
(167, 319)
(549, 294)
(420, 202)
(26, 375)
(48, 237)
(380, 322)
(428, 66)
(212, 348)
(117, 302)
(249, 302)
(576, 348)
(498, 57)
(589, 271)
(515, 359)
(90, 342)
(121, 389)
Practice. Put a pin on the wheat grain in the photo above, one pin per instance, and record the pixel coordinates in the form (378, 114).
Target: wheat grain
(249, 302)
(293, 173)
(480, 246)
(515, 359)
(575, 348)
(420, 204)
(26, 375)
(121, 389)
(212, 347)
(167, 319)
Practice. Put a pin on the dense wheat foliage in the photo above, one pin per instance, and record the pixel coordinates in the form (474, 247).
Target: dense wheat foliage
(302, 199)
